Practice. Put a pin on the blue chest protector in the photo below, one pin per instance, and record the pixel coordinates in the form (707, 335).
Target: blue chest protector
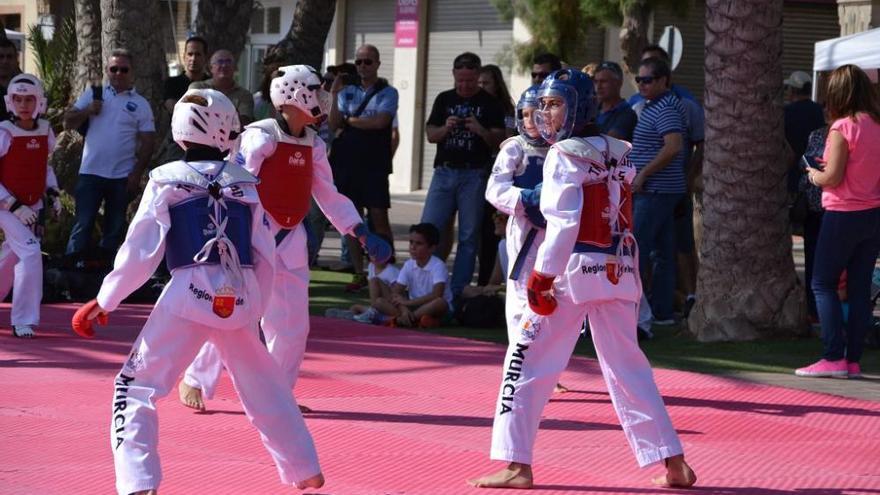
(191, 228)
(531, 177)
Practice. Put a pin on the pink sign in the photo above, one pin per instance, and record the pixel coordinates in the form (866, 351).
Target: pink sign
(406, 25)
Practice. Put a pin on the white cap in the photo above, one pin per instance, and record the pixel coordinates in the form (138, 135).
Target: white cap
(798, 79)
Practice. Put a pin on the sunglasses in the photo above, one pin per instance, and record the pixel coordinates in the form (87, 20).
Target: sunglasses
(645, 79)
(121, 70)
(363, 61)
(540, 75)
(466, 65)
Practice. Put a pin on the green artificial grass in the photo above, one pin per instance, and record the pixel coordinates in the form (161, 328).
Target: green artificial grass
(672, 347)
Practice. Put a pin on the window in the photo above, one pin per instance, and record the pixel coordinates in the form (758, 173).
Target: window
(273, 20)
(258, 20)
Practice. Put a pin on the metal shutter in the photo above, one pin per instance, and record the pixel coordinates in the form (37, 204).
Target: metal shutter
(803, 25)
(371, 22)
(456, 26)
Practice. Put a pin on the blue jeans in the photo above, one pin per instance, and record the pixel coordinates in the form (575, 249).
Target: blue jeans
(848, 240)
(90, 191)
(463, 190)
(655, 232)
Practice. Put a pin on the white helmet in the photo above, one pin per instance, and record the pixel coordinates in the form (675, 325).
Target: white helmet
(300, 86)
(26, 84)
(205, 116)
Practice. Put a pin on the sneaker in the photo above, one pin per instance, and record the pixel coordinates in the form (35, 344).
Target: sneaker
(853, 370)
(644, 333)
(665, 323)
(339, 313)
(368, 316)
(688, 306)
(358, 283)
(823, 367)
(23, 331)
(427, 321)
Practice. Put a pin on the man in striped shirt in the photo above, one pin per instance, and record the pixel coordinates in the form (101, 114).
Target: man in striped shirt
(658, 154)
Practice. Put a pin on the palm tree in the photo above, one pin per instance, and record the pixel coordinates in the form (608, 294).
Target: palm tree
(224, 24)
(747, 283)
(88, 42)
(134, 25)
(304, 43)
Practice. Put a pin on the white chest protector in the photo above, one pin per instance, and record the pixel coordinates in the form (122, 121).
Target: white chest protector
(605, 260)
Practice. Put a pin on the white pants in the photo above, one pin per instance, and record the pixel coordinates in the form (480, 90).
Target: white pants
(285, 326)
(21, 267)
(531, 369)
(162, 350)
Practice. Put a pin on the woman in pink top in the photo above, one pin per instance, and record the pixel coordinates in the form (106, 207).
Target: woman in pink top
(849, 238)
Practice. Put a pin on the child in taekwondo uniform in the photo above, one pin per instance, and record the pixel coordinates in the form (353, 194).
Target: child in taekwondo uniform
(204, 215)
(585, 267)
(25, 177)
(291, 162)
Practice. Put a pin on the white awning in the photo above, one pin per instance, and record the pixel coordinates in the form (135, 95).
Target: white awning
(861, 49)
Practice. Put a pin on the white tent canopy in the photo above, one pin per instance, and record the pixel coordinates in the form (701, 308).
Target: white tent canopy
(862, 49)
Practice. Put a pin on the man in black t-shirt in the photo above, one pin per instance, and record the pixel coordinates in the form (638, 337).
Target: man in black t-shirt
(195, 59)
(467, 125)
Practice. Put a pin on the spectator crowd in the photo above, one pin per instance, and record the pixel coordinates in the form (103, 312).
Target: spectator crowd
(468, 123)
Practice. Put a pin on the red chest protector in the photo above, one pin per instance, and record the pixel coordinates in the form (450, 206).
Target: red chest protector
(595, 227)
(23, 168)
(285, 186)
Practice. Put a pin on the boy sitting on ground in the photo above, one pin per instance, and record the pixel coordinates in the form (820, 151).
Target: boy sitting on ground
(421, 295)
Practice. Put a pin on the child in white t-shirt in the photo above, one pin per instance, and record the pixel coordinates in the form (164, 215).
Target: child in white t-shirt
(421, 295)
(380, 278)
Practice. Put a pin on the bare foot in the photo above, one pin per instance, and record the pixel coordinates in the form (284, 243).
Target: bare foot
(303, 409)
(316, 481)
(560, 389)
(515, 475)
(190, 396)
(678, 474)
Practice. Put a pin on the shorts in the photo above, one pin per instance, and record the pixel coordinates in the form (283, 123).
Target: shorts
(365, 190)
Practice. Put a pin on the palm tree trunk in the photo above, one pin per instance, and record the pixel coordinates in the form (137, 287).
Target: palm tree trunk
(634, 33)
(224, 24)
(747, 285)
(134, 25)
(88, 41)
(304, 43)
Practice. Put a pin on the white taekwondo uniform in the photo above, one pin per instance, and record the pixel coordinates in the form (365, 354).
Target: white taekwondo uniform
(24, 166)
(216, 294)
(299, 171)
(590, 251)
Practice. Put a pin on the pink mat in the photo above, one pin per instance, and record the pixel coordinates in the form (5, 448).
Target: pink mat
(401, 412)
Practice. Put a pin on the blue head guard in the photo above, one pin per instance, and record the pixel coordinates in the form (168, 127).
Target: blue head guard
(529, 99)
(577, 92)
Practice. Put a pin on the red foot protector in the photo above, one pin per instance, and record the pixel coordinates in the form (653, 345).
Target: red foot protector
(82, 325)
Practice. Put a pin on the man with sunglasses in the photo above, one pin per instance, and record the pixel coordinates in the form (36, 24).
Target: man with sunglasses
(543, 65)
(659, 155)
(363, 115)
(467, 125)
(117, 150)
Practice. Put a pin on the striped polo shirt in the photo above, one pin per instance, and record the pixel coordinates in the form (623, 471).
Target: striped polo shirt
(660, 117)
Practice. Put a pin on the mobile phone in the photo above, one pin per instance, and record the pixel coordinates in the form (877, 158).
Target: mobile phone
(97, 92)
(810, 162)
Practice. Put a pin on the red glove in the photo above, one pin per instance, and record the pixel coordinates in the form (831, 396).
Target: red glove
(540, 292)
(81, 322)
